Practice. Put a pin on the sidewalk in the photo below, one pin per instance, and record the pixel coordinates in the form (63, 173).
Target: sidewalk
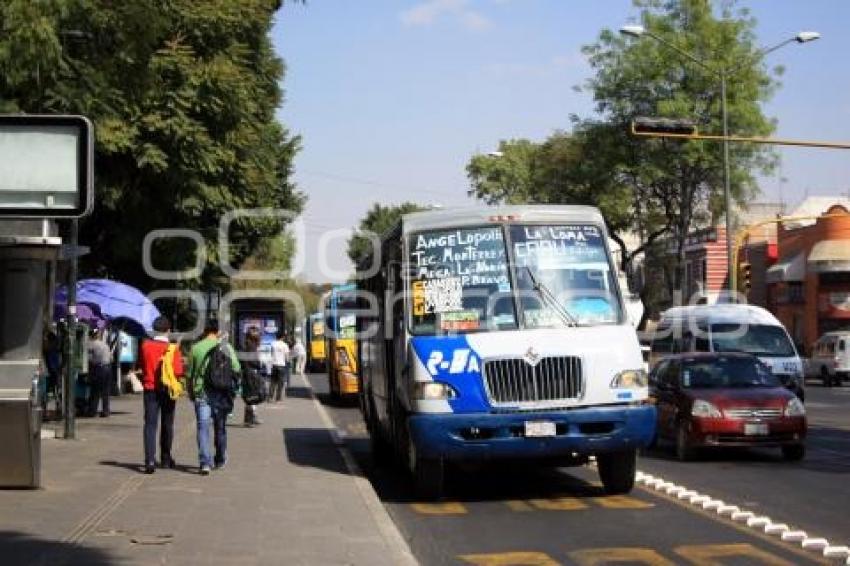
(286, 497)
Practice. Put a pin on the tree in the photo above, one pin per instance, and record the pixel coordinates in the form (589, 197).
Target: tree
(653, 188)
(680, 183)
(183, 96)
(378, 220)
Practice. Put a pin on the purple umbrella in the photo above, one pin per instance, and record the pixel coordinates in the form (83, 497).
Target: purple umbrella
(90, 314)
(114, 300)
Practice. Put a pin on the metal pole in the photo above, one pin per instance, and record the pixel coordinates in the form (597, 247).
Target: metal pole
(727, 190)
(71, 365)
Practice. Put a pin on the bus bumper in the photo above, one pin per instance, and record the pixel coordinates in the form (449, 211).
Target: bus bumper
(348, 384)
(578, 433)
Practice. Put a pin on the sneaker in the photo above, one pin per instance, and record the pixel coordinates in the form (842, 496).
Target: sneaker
(168, 462)
(220, 465)
(150, 468)
(205, 470)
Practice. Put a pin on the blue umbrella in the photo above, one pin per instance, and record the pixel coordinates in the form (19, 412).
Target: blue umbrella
(114, 300)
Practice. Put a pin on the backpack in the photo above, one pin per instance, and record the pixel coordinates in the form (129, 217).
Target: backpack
(167, 377)
(253, 391)
(219, 374)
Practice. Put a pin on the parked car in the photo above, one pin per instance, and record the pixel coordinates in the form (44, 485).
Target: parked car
(725, 399)
(730, 328)
(831, 358)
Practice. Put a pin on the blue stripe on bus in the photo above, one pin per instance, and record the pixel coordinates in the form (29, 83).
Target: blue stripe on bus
(452, 360)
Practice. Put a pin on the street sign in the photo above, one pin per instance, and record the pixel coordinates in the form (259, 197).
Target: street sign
(46, 166)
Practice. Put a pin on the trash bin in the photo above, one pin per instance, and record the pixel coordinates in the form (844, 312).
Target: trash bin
(20, 424)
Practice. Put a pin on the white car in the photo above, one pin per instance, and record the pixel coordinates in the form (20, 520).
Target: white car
(831, 357)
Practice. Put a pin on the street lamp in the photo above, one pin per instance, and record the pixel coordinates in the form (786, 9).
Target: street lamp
(722, 72)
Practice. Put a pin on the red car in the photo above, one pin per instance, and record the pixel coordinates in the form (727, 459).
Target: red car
(725, 399)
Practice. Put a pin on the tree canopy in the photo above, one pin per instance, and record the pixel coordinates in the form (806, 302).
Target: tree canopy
(379, 219)
(652, 188)
(183, 96)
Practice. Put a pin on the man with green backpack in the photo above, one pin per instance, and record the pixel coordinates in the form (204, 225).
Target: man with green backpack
(213, 381)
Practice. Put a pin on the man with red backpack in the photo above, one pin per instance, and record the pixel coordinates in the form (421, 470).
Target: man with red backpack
(213, 380)
(157, 400)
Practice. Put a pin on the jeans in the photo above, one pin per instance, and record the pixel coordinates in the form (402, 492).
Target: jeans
(158, 403)
(280, 381)
(212, 409)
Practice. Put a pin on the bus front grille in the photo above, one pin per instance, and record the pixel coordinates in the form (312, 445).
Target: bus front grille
(513, 381)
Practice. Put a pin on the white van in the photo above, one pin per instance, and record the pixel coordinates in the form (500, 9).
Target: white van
(730, 328)
(831, 357)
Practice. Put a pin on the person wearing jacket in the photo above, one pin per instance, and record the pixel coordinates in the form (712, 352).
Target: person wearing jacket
(157, 402)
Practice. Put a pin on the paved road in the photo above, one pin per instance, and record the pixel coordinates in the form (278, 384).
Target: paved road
(811, 494)
(519, 516)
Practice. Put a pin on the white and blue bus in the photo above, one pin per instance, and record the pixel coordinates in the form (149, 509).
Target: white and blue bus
(501, 333)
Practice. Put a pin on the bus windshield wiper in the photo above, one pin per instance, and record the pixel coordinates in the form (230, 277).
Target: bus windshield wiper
(548, 297)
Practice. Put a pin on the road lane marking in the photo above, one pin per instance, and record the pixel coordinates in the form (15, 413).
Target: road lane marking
(558, 504)
(518, 505)
(510, 559)
(602, 556)
(447, 508)
(711, 554)
(729, 515)
(622, 502)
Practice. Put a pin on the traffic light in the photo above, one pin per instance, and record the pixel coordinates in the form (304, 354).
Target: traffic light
(665, 126)
(747, 276)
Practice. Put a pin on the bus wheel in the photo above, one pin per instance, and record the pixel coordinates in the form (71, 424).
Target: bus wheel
(382, 451)
(428, 475)
(617, 471)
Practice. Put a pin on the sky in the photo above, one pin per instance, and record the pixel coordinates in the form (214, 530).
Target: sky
(392, 98)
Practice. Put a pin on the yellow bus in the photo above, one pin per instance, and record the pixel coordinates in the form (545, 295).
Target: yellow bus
(315, 342)
(340, 342)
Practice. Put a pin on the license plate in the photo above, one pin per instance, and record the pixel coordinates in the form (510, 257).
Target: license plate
(539, 428)
(755, 429)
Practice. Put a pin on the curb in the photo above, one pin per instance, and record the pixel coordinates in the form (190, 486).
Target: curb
(401, 553)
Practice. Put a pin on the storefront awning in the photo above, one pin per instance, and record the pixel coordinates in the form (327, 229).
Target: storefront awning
(829, 256)
(791, 270)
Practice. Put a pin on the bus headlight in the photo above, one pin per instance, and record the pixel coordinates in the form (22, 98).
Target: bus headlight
(432, 390)
(630, 379)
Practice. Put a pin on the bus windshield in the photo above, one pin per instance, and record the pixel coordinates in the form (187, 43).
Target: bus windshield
(564, 276)
(459, 282)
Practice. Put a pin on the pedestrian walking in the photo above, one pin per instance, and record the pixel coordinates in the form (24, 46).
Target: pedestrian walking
(213, 378)
(299, 356)
(53, 363)
(252, 381)
(158, 404)
(100, 374)
(280, 368)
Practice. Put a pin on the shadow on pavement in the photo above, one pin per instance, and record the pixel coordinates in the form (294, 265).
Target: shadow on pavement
(313, 447)
(483, 483)
(140, 468)
(827, 451)
(20, 548)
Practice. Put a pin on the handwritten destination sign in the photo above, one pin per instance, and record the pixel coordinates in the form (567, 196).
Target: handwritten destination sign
(445, 263)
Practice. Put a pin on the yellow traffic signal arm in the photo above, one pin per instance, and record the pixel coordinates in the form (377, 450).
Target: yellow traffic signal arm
(746, 139)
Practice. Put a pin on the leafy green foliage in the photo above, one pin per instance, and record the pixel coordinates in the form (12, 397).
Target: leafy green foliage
(378, 220)
(183, 96)
(653, 188)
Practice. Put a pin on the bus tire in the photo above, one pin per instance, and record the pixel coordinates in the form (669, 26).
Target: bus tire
(382, 451)
(617, 471)
(429, 476)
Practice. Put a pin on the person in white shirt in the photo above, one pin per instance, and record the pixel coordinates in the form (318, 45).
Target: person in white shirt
(280, 368)
(299, 354)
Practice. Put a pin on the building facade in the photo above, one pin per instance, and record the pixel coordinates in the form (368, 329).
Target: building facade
(808, 286)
